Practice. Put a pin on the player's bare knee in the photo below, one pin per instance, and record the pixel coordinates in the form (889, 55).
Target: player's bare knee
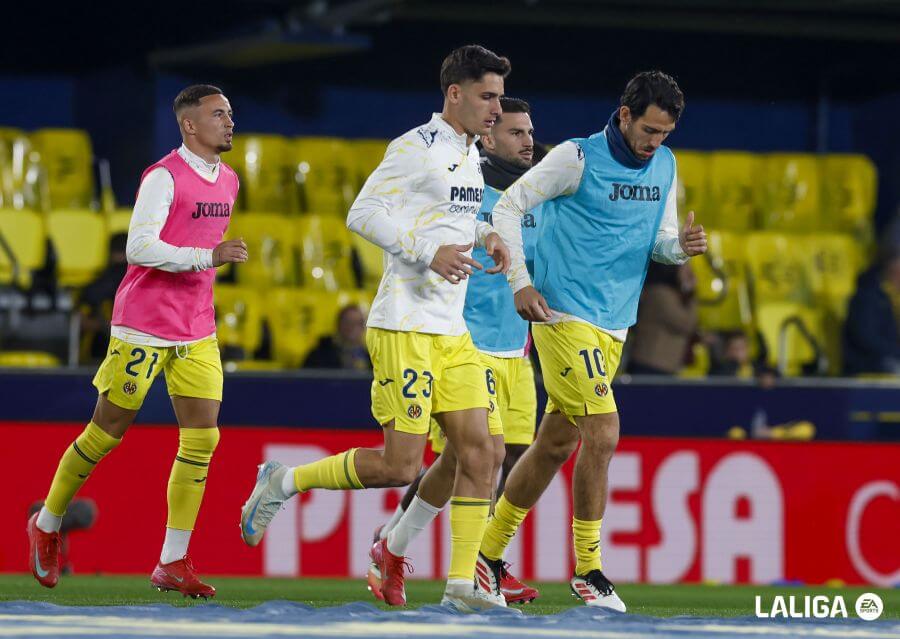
(470, 460)
(558, 453)
(601, 443)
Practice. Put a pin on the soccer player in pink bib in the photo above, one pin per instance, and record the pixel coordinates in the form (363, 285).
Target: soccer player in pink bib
(163, 320)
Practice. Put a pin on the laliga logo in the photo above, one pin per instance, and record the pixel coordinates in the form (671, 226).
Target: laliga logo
(868, 606)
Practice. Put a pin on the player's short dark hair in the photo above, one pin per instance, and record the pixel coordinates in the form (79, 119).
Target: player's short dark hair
(653, 87)
(471, 62)
(191, 96)
(513, 105)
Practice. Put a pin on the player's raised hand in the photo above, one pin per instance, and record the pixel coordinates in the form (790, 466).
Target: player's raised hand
(692, 238)
(497, 250)
(451, 262)
(230, 251)
(531, 305)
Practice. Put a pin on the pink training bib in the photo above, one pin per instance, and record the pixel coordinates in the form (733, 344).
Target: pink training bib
(179, 306)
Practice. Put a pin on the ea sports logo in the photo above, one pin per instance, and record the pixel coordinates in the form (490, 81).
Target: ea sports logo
(869, 606)
(601, 389)
(414, 411)
(129, 388)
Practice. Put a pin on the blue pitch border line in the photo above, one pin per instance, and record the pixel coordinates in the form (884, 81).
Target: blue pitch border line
(362, 620)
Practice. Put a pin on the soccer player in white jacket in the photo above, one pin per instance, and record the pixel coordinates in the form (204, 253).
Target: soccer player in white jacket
(420, 206)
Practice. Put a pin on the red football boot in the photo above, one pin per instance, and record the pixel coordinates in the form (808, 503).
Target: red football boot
(513, 590)
(43, 553)
(180, 576)
(373, 575)
(391, 568)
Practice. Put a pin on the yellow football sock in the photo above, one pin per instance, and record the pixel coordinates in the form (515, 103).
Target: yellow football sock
(502, 528)
(586, 535)
(337, 472)
(76, 464)
(187, 482)
(468, 519)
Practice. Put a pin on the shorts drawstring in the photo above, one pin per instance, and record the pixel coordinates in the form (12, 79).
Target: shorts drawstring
(178, 352)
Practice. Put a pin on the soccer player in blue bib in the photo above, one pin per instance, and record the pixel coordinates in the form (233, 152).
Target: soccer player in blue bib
(501, 337)
(608, 209)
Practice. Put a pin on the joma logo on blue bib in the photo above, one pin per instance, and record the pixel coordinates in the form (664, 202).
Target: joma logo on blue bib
(634, 192)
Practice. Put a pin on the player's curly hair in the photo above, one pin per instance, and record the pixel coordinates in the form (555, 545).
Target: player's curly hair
(471, 62)
(653, 87)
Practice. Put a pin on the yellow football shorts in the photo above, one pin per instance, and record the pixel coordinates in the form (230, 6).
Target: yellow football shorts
(510, 385)
(578, 362)
(418, 375)
(128, 371)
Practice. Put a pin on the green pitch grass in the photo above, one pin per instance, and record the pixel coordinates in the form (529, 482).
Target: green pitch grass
(657, 601)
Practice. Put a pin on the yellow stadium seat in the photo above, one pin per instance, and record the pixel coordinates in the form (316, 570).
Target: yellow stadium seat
(794, 337)
(298, 318)
(263, 163)
(118, 221)
(699, 366)
(325, 170)
(849, 193)
(834, 262)
(722, 290)
(81, 244)
(371, 257)
(67, 158)
(778, 268)
(28, 359)
(270, 245)
(238, 318)
(26, 237)
(326, 252)
(791, 192)
(692, 168)
(367, 155)
(734, 190)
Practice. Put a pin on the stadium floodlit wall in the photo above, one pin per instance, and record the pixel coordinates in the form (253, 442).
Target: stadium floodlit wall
(682, 507)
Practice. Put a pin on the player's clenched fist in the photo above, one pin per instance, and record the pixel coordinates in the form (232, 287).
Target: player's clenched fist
(692, 238)
(230, 251)
(531, 305)
(451, 262)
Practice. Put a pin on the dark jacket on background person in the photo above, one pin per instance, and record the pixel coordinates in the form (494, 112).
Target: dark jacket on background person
(871, 338)
(328, 353)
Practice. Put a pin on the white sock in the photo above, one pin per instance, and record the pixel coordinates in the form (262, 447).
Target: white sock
(417, 516)
(175, 546)
(47, 521)
(389, 526)
(288, 485)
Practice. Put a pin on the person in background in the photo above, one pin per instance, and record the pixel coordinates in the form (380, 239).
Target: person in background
(347, 347)
(97, 298)
(667, 320)
(871, 336)
(730, 355)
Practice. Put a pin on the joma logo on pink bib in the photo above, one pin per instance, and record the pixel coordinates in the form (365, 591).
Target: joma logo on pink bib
(211, 209)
